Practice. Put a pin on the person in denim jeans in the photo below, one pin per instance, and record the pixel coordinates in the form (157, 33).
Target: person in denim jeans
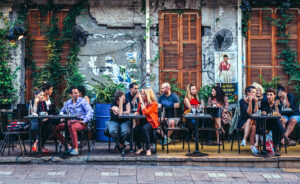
(119, 128)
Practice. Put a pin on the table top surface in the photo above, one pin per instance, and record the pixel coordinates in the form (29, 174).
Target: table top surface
(197, 116)
(132, 116)
(256, 116)
(51, 117)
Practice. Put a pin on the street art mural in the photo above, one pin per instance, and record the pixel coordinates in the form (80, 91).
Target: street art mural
(225, 67)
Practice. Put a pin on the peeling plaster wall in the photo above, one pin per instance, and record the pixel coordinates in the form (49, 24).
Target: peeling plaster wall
(114, 25)
(16, 62)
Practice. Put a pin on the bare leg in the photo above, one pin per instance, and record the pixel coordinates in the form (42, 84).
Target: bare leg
(247, 129)
(290, 127)
(217, 125)
(171, 124)
(252, 133)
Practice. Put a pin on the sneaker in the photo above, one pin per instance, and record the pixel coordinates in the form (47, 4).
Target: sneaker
(291, 143)
(70, 150)
(243, 143)
(163, 141)
(126, 143)
(74, 153)
(169, 141)
(254, 150)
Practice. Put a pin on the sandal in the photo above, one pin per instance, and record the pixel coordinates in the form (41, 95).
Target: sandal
(148, 153)
(45, 151)
(139, 151)
(33, 149)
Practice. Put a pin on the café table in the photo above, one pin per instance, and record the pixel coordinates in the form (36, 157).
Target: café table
(132, 116)
(66, 117)
(197, 117)
(263, 119)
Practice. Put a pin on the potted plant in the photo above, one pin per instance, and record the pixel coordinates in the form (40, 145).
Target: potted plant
(104, 92)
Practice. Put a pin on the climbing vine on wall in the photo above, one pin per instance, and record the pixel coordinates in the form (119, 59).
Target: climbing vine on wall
(54, 72)
(287, 55)
(7, 92)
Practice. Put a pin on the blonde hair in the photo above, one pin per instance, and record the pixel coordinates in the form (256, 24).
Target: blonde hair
(188, 92)
(150, 95)
(256, 85)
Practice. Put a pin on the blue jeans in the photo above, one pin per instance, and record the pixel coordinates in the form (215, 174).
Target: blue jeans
(119, 132)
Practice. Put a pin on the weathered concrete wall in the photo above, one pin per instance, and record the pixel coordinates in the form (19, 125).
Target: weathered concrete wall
(116, 46)
(16, 62)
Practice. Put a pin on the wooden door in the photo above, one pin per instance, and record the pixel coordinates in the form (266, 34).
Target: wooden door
(180, 47)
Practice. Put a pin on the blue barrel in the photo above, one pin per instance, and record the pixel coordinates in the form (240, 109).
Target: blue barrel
(102, 115)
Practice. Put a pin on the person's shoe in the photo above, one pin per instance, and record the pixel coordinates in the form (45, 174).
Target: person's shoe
(243, 143)
(126, 143)
(34, 149)
(291, 143)
(148, 153)
(139, 151)
(70, 150)
(169, 141)
(254, 151)
(123, 151)
(45, 151)
(74, 153)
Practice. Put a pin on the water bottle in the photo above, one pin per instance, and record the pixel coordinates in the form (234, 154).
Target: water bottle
(193, 110)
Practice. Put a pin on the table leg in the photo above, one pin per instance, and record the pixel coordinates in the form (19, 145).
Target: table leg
(264, 136)
(197, 152)
(66, 137)
(131, 136)
(197, 137)
(40, 137)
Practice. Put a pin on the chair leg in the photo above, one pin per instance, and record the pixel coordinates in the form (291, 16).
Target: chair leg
(30, 143)
(238, 139)
(9, 144)
(20, 142)
(108, 144)
(219, 145)
(56, 149)
(81, 143)
(223, 136)
(167, 142)
(88, 141)
(4, 144)
(24, 147)
(183, 140)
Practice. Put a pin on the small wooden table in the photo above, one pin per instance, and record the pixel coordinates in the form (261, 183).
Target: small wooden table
(67, 117)
(197, 117)
(132, 117)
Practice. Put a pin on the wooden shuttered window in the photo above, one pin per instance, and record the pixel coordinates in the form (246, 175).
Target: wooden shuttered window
(180, 47)
(37, 27)
(262, 47)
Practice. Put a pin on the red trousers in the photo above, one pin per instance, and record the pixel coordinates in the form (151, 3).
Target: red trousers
(73, 126)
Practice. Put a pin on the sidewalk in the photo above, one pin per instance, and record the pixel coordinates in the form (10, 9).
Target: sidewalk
(176, 157)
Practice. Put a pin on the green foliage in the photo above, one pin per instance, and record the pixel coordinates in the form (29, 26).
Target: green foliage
(7, 92)
(270, 84)
(205, 92)
(105, 90)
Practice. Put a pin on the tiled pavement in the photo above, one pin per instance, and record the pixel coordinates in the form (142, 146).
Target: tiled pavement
(100, 174)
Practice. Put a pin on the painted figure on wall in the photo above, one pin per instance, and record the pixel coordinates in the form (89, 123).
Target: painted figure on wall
(224, 70)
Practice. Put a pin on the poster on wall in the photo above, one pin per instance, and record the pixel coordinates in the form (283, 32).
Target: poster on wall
(225, 67)
(230, 90)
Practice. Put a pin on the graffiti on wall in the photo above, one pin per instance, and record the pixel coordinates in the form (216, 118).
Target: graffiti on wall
(119, 73)
(208, 62)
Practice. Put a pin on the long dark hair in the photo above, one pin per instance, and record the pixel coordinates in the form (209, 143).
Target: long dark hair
(219, 94)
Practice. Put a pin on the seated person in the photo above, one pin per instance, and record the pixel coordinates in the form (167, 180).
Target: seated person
(168, 100)
(144, 130)
(119, 128)
(191, 100)
(287, 100)
(248, 106)
(81, 108)
(277, 129)
(131, 96)
(39, 105)
(218, 99)
(82, 93)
